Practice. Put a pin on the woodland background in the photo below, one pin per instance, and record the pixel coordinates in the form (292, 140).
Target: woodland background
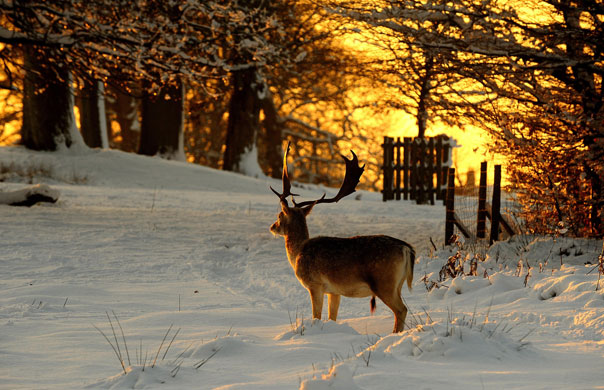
(224, 83)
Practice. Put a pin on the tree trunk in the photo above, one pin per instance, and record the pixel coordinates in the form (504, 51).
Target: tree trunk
(272, 137)
(48, 119)
(422, 104)
(125, 107)
(162, 123)
(93, 123)
(244, 120)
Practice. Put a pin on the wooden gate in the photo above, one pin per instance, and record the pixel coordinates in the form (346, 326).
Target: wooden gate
(485, 209)
(416, 168)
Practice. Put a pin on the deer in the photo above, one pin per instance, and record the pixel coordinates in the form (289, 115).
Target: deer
(356, 267)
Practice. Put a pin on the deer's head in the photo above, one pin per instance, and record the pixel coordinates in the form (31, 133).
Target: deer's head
(292, 220)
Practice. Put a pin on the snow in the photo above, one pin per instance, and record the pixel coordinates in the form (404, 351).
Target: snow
(33, 194)
(248, 165)
(164, 245)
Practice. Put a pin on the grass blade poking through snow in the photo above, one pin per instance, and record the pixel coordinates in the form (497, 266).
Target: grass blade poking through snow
(123, 337)
(161, 345)
(116, 342)
(113, 347)
(169, 345)
(204, 361)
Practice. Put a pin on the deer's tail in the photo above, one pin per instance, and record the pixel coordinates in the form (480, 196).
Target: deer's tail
(372, 304)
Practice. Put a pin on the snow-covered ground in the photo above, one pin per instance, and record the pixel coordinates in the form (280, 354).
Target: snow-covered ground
(162, 245)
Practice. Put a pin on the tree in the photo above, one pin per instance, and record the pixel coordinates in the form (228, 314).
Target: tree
(160, 41)
(162, 123)
(534, 83)
(93, 121)
(247, 87)
(290, 98)
(205, 127)
(424, 81)
(48, 119)
(244, 119)
(123, 107)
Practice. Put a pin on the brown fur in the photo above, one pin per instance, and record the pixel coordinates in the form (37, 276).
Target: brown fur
(353, 267)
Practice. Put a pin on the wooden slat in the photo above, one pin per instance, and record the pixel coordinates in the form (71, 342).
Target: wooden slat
(495, 208)
(397, 180)
(482, 198)
(462, 228)
(504, 221)
(406, 165)
(387, 169)
(450, 208)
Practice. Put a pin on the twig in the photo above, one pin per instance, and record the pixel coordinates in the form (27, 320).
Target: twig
(433, 244)
(592, 270)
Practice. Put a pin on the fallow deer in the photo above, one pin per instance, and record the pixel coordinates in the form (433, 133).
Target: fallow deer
(356, 267)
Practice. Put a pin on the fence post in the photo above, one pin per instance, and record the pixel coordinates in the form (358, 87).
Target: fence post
(420, 183)
(496, 205)
(482, 202)
(439, 168)
(397, 184)
(431, 156)
(406, 166)
(450, 199)
(388, 171)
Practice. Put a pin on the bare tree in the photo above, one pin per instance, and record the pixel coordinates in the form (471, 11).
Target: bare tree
(534, 83)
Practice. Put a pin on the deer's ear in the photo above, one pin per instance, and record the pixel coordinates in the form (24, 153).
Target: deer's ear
(306, 210)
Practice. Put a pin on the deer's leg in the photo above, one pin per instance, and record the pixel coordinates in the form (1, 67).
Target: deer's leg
(392, 298)
(316, 298)
(400, 313)
(333, 303)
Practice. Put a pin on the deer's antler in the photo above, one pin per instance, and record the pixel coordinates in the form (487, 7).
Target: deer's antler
(287, 186)
(351, 180)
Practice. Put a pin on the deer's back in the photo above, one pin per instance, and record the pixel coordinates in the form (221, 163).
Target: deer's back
(361, 253)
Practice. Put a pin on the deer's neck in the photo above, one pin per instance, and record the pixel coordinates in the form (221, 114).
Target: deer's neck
(293, 243)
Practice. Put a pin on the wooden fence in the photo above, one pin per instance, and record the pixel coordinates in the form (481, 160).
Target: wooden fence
(416, 168)
(491, 210)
